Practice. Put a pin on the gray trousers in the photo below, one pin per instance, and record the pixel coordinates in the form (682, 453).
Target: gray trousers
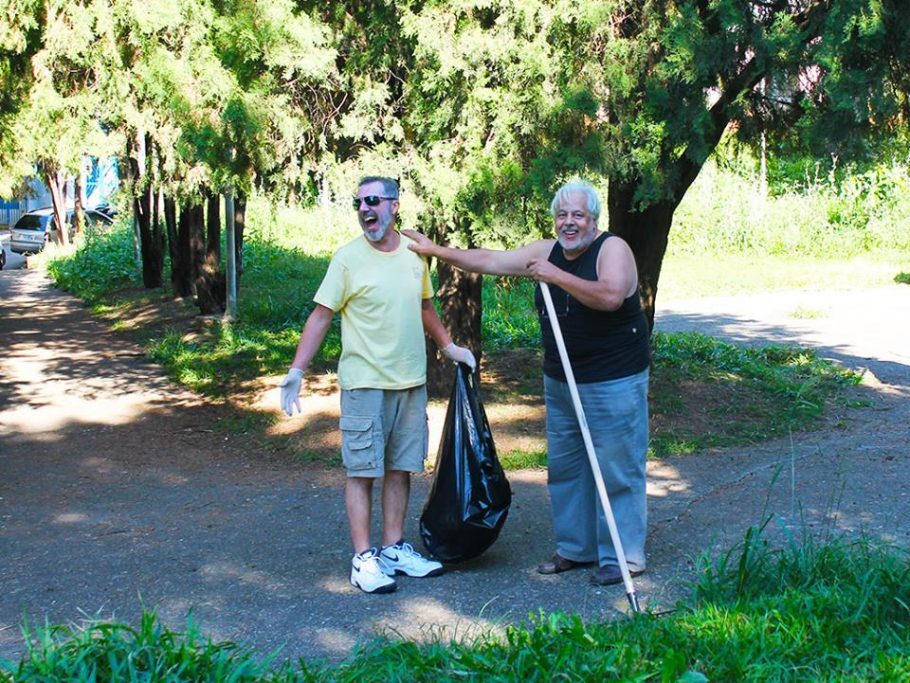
(617, 416)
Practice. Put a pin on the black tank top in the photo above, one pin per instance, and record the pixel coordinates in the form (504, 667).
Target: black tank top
(602, 345)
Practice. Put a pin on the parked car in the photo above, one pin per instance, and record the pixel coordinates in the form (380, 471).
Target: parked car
(2, 257)
(107, 210)
(35, 229)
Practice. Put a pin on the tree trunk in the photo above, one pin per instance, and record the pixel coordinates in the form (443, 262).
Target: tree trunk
(170, 226)
(158, 237)
(239, 225)
(647, 233)
(213, 226)
(55, 182)
(461, 307)
(182, 266)
(211, 285)
(150, 243)
(78, 211)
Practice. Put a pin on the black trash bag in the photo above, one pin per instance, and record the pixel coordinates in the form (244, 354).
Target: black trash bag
(470, 498)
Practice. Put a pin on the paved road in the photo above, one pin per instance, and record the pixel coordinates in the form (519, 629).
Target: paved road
(120, 491)
(852, 477)
(861, 329)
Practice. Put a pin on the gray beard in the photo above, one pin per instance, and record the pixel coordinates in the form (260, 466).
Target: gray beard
(383, 229)
(581, 245)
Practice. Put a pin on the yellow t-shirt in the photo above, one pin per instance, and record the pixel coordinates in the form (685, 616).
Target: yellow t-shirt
(379, 295)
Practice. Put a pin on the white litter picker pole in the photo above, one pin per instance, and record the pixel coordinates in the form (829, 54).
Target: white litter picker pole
(589, 446)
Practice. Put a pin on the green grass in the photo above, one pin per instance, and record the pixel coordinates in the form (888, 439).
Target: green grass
(744, 394)
(819, 215)
(523, 459)
(805, 610)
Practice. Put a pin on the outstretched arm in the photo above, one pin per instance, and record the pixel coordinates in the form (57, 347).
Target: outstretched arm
(486, 261)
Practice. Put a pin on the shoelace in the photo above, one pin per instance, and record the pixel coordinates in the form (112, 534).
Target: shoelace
(407, 550)
(374, 559)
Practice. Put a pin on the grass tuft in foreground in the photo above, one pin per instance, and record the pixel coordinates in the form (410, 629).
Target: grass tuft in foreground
(805, 611)
(104, 651)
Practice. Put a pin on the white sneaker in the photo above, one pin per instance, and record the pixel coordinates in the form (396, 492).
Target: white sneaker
(401, 558)
(368, 574)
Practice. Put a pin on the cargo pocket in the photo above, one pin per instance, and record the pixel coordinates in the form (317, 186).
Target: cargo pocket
(358, 450)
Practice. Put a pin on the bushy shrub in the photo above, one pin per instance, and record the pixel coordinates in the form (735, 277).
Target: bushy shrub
(103, 262)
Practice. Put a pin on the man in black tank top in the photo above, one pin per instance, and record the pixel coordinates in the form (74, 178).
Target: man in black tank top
(594, 283)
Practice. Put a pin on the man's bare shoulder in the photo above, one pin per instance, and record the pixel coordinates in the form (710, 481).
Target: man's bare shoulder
(615, 245)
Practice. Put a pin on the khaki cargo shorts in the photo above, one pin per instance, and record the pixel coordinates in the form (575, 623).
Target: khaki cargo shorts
(383, 429)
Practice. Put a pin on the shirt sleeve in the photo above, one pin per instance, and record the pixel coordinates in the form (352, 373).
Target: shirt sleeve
(333, 292)
(428, 291)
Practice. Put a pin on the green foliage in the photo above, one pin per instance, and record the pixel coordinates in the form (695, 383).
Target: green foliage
(902, 278)
(20, 39)
(111, 651)
(59, 101)
(101, 264)
(836, 610)
(509, 317)
(480, 109)
(827, 592)
(726, 212)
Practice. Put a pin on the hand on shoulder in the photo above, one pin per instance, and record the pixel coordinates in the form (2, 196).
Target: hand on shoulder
(418, 242)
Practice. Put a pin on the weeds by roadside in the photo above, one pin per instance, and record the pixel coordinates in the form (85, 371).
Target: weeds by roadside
(707, 393)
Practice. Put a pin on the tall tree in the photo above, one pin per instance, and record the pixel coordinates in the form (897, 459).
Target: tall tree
(56, 123)
(142, 153)
(670, 78)
(474, 101)
(21, 35)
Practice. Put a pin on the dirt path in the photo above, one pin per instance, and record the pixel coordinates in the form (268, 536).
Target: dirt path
(120, 491)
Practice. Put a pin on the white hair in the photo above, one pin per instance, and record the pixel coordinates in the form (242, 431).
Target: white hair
(577, 186)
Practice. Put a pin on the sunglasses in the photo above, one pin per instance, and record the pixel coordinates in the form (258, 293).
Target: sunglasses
(371, 200)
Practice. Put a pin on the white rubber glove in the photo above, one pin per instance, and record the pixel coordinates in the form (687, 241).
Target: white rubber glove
(290, 391)
(459, 354)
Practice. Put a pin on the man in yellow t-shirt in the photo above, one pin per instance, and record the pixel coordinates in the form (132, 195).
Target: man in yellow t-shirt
(382, 290)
